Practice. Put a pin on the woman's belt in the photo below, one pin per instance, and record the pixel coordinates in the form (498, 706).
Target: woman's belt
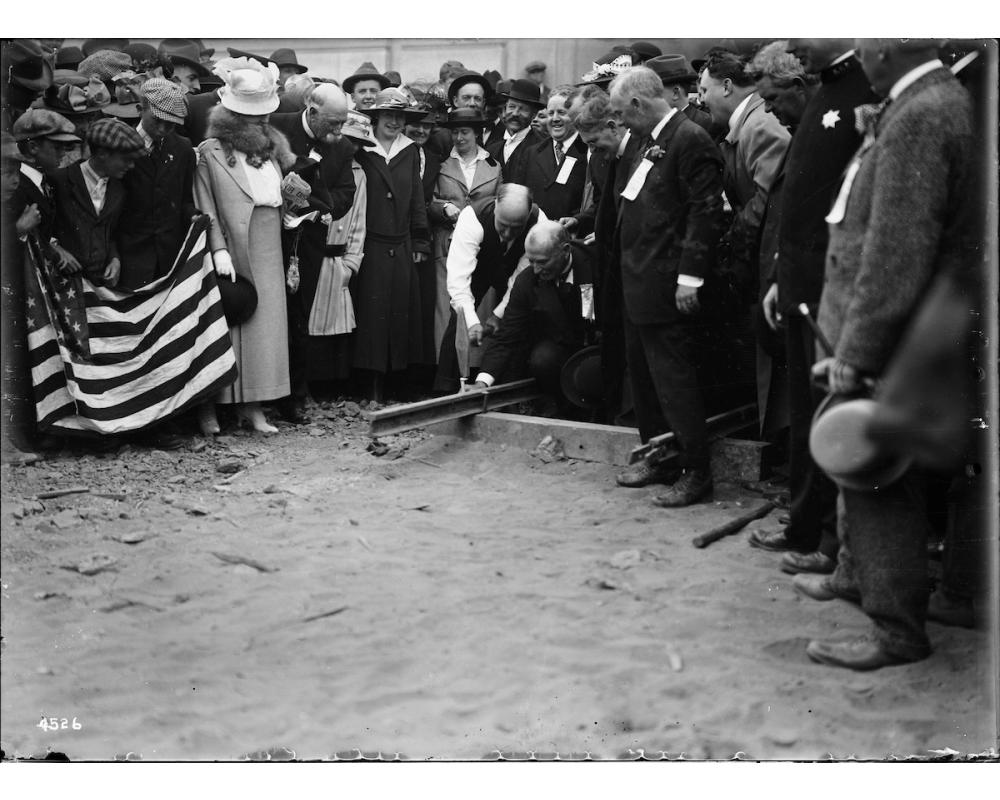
(385, 238)
(334, 250)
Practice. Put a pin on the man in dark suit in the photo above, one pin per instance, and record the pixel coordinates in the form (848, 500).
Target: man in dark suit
(90, 197)
(550, 308)
(614, 149)
(894, 228)
(512, 152)
(666, 235)
(824, 142)
(159, 201)
(556, 171)
(324, 164)
(679, 80)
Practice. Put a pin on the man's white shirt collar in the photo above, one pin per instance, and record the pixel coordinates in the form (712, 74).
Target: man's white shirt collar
(913, 76)
(514, 138)
(734, 118)
(568, 143)
(32, 175)
(840, 58)
(623, 143)
(146, 138)
(662, 124)
(305, 125)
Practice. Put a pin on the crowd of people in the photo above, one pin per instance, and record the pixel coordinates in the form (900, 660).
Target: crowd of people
(659, 241)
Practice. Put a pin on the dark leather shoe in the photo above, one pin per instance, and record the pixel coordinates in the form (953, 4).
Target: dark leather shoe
(860, 653)
(644, 473)
(820, 563)
(775, 541)
(821, 587)
(688, 489)
(293, 411)
(160, 440)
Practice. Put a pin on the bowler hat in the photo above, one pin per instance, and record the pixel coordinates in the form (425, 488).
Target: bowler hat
(581, 378)
(113, 134)
(183, 51)
(40, 123)
(493, 78)
(141, 52)
(25, 62)
(393, 99)
(467, 78)
(465, 118)
(91, 46)
(358, 126)
(285, 57)
(69, 57)
(366, 72)
(524, 91)
(645, 50)
(672, 69)
(239, 299)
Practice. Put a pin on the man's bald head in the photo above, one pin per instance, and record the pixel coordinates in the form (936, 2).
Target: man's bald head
(547, 249)
(326, 110)
(885, 61)
(512, 210)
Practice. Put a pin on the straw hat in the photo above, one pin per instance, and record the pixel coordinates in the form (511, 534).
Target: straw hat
(358, 126)
(250, 88)
(392, 99)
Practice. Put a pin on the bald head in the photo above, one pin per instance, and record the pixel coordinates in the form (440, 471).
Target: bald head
(512, 210)
(885, 61)
(326, 110)
(547, 249)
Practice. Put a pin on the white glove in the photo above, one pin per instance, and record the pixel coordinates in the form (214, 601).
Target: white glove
(224, 265)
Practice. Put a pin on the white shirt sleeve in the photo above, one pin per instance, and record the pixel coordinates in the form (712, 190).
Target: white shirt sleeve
(522, 262)
(690, 281)
(486, 378)
(462, 256)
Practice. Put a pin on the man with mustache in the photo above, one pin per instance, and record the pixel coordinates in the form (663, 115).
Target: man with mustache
(513, 152)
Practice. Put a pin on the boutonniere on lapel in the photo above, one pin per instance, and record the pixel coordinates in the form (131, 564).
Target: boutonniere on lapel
(654, 153)
(170, 157)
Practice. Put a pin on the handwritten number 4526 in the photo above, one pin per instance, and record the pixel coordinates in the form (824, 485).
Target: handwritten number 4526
(57, 724)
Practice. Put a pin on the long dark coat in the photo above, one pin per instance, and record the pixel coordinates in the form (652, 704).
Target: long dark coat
(387, 296)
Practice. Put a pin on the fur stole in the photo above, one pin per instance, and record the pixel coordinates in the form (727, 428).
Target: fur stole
(249, 135)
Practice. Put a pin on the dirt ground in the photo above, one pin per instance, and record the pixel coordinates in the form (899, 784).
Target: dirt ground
(445, 600)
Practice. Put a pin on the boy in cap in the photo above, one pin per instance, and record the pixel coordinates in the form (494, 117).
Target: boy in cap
(44, 139)
(159, 201)
(90, 197)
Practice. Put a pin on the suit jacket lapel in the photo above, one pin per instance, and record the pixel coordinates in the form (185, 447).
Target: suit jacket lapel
(80, 191)
(235, 172)
(546, 162)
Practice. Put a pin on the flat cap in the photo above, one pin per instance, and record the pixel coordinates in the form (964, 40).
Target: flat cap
(535, 66)
(166, 100)
(105, 64)
(40, 123)
(113, 134)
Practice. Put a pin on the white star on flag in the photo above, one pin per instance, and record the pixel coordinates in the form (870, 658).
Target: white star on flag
(831, 118)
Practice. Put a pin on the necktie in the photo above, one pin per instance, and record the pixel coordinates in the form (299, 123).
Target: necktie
(560, 155)
(867, 117)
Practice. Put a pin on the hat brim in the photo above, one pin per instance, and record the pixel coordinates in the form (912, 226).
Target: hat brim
(248, 108)
(410, 112)
(123, 110)
(37, 84)
(463, 80)
(567, 378)
(55, 137)
(200, 69)
(353, 80)
(525, 100)
(464, 124)
(297, 67)
(166, 116)
(363, 141)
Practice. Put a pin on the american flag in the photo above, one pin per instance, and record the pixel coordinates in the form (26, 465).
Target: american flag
(109, 361)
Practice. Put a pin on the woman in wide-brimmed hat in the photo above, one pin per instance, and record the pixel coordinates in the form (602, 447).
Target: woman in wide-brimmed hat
(468, 174)
(238, 183)
(387, 300)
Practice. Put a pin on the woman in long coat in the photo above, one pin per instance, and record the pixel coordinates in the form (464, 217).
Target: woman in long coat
(469, 175)
(238, 184)
(387, 295)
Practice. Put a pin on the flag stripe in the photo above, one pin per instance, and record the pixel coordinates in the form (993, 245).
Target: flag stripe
(155, 351)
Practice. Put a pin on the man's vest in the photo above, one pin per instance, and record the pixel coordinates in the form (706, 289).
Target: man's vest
(495, 265)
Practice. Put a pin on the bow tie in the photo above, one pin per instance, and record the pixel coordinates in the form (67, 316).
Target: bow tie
(867, 117)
